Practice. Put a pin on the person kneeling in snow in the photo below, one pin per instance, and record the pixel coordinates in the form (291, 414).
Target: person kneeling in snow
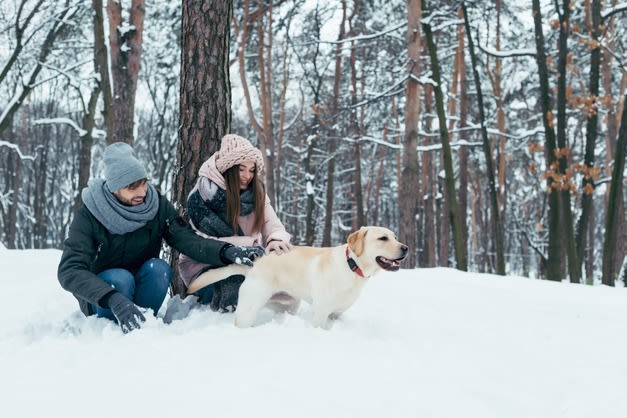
(110, 260)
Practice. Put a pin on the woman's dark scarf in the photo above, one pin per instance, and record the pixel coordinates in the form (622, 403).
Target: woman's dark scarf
(118, 218)
(206, 207)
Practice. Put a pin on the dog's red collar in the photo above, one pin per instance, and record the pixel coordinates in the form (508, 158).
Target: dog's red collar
(353, 265)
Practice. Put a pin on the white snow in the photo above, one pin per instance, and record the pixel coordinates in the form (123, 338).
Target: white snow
(418, 343)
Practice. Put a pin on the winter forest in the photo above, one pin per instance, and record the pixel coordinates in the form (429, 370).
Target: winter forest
(489, 135)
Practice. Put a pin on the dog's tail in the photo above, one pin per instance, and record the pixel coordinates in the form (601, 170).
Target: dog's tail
(215, 275)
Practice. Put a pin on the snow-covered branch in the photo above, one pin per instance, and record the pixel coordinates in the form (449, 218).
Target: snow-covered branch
(366, 37)
(426, 148)
(63, 121)
(527, 52)
(395, 89)
(16, 149)
(622, 7)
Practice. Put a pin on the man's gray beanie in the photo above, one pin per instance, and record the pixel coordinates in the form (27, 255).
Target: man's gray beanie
(121, 167)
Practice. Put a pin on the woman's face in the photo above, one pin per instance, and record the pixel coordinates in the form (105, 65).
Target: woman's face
(246, 174)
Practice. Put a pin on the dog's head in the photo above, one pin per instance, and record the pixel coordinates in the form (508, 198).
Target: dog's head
(376, 247)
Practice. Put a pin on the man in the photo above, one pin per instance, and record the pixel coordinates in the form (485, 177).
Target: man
(110, 259)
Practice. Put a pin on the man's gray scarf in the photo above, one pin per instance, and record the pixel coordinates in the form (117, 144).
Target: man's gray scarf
(118, 218)
(206, 207)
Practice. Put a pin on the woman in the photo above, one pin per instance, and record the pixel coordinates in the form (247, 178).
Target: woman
(229, 203)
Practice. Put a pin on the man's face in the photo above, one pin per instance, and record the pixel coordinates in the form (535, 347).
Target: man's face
(133, 194)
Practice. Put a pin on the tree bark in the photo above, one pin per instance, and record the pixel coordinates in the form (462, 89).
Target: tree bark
(459, 92)
(205, 95)
(497, 225)
(574, 265)
(125, 45)
(461, 254)
(102, 68)
(360, 216)
(463, 135)
(612, 234)
(332, 140)
(591, 131)
(409, 182)
(554, 271)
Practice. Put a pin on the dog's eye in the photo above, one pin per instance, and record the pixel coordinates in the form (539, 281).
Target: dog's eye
(384, 238)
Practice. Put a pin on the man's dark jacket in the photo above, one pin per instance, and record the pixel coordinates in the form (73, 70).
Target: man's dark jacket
(90, 249)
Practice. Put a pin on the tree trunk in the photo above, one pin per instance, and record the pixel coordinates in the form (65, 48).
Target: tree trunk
(264, 130)
(266, 142)
(500, 123)
(497, 226)
(429, 199)
(360, 216)
(461, 254)
(554, 271)
(409, 181)
(459, 91)
(612, 234)
(205, 95)
(332, 141)
(102, 68)
(125, 46)
(591, 132)
(574, 265)
(15, 168)
(310, 178)
(86, 142)
(39, 195)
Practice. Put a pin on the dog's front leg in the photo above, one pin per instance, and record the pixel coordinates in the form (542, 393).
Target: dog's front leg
(320, 313)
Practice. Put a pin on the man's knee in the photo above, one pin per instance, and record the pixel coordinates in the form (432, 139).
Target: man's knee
(159, 270)
(121, 280)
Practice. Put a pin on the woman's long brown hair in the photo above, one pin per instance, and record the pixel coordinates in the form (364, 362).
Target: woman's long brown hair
(231, 177)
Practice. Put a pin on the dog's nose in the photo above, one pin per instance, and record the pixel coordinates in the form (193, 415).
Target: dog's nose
(404, 249)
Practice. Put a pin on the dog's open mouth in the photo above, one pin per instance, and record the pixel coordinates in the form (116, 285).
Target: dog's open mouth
(389, 265)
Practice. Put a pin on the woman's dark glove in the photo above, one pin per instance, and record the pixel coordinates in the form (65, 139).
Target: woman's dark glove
(225, 294)
(240, 254)
(125, 312)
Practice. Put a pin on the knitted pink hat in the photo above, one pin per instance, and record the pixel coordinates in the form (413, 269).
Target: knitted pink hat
(235, 150)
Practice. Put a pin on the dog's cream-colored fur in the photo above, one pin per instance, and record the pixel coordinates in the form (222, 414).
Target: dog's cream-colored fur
(319, 276)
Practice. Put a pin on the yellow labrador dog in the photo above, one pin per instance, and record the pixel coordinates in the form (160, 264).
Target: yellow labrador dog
(328, 278)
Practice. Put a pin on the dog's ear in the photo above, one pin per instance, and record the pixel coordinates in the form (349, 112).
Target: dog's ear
(356, 241)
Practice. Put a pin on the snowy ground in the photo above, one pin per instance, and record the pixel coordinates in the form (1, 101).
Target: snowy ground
(418, 343)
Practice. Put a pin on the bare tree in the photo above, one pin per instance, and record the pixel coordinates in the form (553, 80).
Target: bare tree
(29, 80)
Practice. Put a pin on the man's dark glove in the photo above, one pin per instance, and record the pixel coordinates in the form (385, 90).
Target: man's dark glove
(240, 254)
(225, 294)
(125, 312)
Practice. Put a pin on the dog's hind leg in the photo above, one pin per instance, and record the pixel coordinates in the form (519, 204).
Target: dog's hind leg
(335, 315)
(282, 302)
(253, 295)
